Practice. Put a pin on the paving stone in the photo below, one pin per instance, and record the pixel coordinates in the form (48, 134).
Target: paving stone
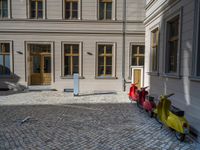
(83, 126)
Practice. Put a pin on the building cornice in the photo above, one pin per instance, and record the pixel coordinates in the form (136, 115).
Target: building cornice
(70, 21)
(165, 6)
(72, 32)
(150, 4)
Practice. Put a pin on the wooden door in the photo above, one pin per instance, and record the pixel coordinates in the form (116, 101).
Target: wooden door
(137, 77)
(40, 66)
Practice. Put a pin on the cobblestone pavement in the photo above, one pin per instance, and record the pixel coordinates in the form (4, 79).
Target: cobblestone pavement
(84, 126)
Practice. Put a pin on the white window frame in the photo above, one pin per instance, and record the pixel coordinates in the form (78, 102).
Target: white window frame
(113, 11)
(44, 10)
(79, 10)
(80, 58)
(114, 62)
(196, 45)
(11, 58)
(165, 61)
(9, 11)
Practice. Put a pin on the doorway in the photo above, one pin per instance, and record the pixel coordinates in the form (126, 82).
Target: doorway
(40, 64)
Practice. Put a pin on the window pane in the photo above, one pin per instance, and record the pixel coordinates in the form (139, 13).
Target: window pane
(74, 14)
(40, 5)
(154, 59)
(67, 48)
(134, 61)
(101, 60)
(141, 61)
(141, 49)
(108, 60)
(101, 49)
(33, 14)
(1, 64)
(134, 49)
(7, 47)
(101, 10)
(109, 49)
(47, 64)
(109, 11)
(67, 10)
(67, 63)
(67, 5)
(75, 6)
(76, 60)
(174, 27)
(173, 46)
(75, 69)
(67, 14)
(198, 64)
(40, 14)
(36, 64)
(76, 49)
(100, 70)
(5, 8)
(108, 70)
(7, 65)
(33, 5)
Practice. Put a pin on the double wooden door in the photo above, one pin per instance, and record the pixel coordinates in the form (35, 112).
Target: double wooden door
(40, 68)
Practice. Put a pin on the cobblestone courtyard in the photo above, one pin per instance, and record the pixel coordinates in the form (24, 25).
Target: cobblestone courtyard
(73, 124)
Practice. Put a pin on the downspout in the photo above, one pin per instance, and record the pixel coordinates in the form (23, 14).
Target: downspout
(124, 46)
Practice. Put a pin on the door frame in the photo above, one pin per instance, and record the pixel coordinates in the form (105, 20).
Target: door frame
(27, 60)
(142, 74)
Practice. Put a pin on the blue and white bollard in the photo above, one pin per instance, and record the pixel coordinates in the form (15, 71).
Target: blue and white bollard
(76, 84)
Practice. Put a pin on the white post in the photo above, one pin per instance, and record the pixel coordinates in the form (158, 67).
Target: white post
(76, 84)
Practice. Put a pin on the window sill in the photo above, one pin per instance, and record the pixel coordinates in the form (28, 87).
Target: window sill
(106, 78)
(153, 73)
(75, 19)
(171, 76)
(71, 77)
(194, 78)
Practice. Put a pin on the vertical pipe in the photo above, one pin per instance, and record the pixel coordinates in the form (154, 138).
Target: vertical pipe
(124, 46)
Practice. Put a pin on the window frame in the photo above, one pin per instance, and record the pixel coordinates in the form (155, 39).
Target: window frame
(11, 59)
(79, 10)
(9, 11)
(196, 46)
(44, 7)
(166, 73)
(154, 30)
(113, 76)
(63, 43)
(113, 11)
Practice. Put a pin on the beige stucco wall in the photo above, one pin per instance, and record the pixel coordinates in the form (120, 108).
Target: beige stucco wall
(88, 31)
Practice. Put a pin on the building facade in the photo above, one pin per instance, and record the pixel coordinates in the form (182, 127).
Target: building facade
(172, 63)
(44, 42)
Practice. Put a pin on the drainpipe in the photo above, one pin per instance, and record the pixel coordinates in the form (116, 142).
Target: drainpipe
(124, 46)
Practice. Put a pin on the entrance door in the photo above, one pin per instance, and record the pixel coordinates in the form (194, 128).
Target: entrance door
(137, 76)
(40, 67)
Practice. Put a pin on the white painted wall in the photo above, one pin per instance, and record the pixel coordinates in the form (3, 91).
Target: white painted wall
(187, 96)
